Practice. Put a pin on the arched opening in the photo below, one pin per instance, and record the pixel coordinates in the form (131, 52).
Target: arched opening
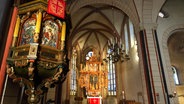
(176, 48)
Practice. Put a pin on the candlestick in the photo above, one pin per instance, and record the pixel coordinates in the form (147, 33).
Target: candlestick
(63, 33)
(38, 22)
(116, 40)
(16, 31)
(109, 43)
(123, 47)
(127, 51)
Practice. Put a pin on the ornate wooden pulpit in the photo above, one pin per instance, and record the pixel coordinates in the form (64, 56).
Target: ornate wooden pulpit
(38, 53)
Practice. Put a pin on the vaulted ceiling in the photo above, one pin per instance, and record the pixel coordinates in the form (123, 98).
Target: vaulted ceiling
(95, 22)
(94, 25)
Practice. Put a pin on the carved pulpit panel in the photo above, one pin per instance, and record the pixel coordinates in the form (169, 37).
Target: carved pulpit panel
(50, 33)
(27, 32)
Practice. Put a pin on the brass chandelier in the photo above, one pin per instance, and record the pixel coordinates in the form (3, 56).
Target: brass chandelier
(116, 52)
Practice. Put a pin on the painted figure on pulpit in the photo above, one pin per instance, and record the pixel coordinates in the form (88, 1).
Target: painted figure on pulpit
(27, 31)
(50, 33)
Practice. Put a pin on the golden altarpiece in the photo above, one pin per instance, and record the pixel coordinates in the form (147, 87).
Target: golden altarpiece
(94, 77)
(38, 53)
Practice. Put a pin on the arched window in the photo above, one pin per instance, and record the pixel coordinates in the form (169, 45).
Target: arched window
(132, 37)
(73, 78)
(111, 78)
(89, 54)
(175, 75)
(126, 38)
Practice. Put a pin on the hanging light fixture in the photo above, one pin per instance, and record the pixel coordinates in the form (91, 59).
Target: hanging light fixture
(116, 50)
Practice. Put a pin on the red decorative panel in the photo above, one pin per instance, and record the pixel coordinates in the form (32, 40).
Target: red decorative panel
(94, 100)
(56, 8)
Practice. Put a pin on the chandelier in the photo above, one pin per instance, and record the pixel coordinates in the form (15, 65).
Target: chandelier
(116, 52)
(93, 77)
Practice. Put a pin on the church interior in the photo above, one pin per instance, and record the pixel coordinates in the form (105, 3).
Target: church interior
(91, 52)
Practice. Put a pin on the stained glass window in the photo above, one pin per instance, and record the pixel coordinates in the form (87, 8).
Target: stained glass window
(73, 77)
(111, 78)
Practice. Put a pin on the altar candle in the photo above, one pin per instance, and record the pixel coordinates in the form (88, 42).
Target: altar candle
(16, 31)
(116, 40)
(123, 46)
(38, 22)
(109, 43)
(63, 33)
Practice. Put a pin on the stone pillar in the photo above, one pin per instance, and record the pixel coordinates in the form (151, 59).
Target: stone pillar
(156, 85)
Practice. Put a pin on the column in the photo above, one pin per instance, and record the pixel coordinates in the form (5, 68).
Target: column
(156, 88)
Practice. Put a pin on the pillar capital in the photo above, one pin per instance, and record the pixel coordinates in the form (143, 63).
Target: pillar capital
(148, 26)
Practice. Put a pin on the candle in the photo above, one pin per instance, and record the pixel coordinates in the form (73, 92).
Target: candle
(63, 33)
(38, 22)
(123, 46)
(120, 41)
(123, 94)
(109, 43)
(127, 51)
(16, 31)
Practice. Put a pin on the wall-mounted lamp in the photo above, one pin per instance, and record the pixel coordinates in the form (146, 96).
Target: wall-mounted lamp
(163, 14)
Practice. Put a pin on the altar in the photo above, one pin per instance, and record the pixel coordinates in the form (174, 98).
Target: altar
(94, 100)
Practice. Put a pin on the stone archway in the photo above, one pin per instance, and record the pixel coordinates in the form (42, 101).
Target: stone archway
(166, 58)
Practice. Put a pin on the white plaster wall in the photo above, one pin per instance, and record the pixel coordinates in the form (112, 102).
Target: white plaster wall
(132, 78)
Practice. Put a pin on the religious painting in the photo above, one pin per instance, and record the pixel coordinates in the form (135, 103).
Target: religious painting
(50, 33)
(93, 82)
(27, 32)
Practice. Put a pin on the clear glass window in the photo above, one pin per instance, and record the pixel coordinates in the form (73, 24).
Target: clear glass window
(175, 75)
